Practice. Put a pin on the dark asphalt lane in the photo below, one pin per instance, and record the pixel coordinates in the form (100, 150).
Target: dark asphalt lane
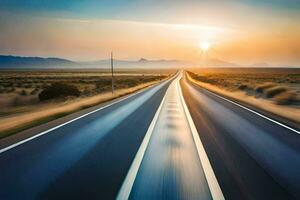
(85, 159)
(253, 158)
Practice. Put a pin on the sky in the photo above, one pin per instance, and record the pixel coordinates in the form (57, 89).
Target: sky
(244, 31)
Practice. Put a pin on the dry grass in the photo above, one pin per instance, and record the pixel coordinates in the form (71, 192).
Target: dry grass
(22, 88)
(21, 107)
(261, 83)
(277, 93)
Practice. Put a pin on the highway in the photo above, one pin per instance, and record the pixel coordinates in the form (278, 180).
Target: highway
(173, 140)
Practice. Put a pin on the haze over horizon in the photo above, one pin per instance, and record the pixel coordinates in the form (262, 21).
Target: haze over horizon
(244, 32)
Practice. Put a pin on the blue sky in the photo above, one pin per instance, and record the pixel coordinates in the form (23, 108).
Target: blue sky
(131, 8)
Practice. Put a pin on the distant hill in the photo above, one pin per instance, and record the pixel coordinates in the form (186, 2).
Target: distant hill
(218, 63)
(260, 65)
(141, 63)
(18, 62)
(34, 62)
(267, 65)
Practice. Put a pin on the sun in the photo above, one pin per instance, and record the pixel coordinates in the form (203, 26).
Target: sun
(204, 46)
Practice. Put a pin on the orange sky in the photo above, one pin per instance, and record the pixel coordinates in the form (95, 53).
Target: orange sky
(236, 33)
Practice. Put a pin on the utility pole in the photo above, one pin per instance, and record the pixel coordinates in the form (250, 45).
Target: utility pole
(112, 72)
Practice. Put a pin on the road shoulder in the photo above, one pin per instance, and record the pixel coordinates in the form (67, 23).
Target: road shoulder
(30, 132)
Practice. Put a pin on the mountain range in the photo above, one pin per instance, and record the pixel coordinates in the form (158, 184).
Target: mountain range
(18, 62)
(33, 62)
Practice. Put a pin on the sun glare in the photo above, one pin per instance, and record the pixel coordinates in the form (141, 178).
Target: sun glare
(204, 46)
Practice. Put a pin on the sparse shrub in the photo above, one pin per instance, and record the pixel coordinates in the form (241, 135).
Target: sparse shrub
(7, 84)
(243, 87)
(294, 81)
(12, 89)
(262, 88)
(129, 82)
(102, 85)
(286, 98)
(45, 85)
(27, 86)
(19, 84)
(35, 91)
(272, 92)
(58, 90)
(23, 93)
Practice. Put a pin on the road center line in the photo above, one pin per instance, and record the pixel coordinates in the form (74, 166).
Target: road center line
(212, 181)
(133, 170)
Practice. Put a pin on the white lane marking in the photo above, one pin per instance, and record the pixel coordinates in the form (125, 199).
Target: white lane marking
(126, 187)
(257, 113)
(212, 181)
(63, 124)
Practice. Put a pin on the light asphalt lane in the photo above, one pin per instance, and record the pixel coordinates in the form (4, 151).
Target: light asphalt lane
(171, 163)
(84, 158)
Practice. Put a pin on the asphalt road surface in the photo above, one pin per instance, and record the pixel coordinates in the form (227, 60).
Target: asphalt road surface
(252, 157)
(174, 140)
(85, 159)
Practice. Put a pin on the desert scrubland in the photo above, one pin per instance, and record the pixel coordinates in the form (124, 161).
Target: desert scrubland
(275, 90)
(32, 97)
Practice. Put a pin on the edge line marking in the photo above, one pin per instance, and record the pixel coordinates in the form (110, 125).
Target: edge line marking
(250, 110)
(128, 182)
(72, 120)
(212, 181)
